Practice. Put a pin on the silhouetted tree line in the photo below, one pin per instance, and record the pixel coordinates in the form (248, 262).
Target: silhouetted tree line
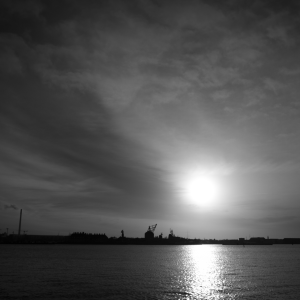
(84, 234)
(87, 238)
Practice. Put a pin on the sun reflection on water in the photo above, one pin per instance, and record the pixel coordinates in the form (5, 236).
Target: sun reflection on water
(205, 278)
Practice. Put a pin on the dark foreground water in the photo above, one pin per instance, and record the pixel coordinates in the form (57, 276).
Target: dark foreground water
(149, 272)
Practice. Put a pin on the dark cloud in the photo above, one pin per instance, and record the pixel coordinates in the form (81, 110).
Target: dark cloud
(73, 131)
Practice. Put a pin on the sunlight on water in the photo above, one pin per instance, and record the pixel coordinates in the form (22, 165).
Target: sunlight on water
(149, 272)
(205, 278)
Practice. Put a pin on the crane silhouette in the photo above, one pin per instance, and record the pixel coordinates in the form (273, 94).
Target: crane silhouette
(152, 228)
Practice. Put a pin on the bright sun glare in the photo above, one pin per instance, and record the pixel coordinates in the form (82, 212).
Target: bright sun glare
(201, 190)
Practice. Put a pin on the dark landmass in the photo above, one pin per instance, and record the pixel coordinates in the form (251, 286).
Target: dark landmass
(102, 239)
(149, 239)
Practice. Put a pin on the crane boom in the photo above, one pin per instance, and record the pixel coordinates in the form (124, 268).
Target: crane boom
(152, 228)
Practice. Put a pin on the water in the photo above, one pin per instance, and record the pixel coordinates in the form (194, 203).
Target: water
(149, 272)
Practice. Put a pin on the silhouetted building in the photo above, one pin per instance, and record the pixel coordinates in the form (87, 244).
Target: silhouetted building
(171, 234)
(149, 235)
(257, 239)
(150, 232)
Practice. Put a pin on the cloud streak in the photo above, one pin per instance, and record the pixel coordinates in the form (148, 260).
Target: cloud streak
(10, 207)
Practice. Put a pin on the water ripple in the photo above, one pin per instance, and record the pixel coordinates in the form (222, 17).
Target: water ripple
(149, 272)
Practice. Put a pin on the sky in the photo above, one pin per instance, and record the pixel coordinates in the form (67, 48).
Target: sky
(109, 110)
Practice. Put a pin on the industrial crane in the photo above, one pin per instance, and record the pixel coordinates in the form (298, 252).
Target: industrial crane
(152, 228)
(150, 232)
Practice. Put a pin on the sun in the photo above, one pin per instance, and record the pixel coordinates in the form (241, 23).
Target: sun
(201, 189)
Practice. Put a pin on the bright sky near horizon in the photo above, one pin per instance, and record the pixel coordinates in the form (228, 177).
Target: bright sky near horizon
(122, 114)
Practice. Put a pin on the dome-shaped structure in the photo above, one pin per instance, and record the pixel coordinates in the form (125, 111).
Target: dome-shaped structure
(149, 235)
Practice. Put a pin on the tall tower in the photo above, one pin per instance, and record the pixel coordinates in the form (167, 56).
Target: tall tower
(20, 222)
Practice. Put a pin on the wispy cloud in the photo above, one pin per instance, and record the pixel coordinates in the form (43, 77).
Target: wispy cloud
(10, 206)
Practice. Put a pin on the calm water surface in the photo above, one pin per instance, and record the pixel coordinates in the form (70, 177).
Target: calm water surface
(149, 272)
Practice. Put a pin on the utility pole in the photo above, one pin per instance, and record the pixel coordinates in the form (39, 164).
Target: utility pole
(20, 222)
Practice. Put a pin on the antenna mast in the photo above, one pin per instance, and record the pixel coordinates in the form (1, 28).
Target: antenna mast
(20, 222)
